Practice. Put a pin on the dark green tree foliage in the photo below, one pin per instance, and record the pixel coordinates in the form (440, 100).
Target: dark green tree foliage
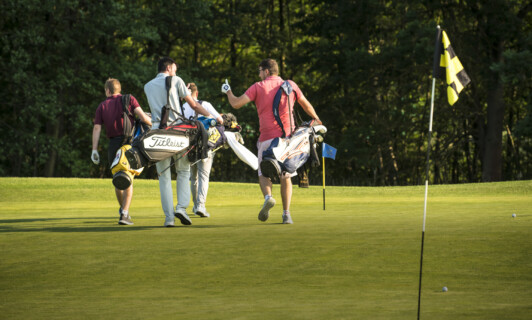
(369, 81)
(58, 55)
(485, 34)
(364, 65)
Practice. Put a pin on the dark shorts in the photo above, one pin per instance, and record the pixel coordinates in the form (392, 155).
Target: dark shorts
(114, 144)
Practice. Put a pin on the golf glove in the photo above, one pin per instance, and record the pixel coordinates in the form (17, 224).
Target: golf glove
(95, 157)
(226, 87)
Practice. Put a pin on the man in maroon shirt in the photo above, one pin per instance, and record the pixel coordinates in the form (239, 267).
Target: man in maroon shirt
(263, 94)
(110, 114)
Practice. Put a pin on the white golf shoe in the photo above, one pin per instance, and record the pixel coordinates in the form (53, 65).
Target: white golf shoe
(169, 222)
(183, 217)
(287, 219)
(202, 213)
(264, 213)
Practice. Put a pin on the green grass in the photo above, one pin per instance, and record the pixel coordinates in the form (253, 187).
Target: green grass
(63, 256)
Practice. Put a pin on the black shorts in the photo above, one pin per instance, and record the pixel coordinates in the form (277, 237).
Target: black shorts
(114, 144)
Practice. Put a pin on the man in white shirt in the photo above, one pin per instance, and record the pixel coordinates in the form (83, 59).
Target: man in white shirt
(199, 172)
(157, 97)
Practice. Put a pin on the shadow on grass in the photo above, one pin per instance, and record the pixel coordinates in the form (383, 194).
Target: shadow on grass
(106, 228)
(203, 226)
(268, 223)
(49, 219)
(76, 229)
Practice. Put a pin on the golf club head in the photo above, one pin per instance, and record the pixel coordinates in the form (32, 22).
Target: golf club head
(319, 129)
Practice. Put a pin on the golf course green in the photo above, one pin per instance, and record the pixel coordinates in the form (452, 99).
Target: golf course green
(63, 255)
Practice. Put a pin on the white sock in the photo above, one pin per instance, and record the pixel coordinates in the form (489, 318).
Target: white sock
(125, 213)
(266, 197)
(285, 212)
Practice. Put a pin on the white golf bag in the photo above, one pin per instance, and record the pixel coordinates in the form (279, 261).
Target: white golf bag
(288, 155)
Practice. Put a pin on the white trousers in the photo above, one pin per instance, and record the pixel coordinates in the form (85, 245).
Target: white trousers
(165, 185)
(199, 182)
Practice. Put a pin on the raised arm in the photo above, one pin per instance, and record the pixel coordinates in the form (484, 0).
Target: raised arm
(235, 102)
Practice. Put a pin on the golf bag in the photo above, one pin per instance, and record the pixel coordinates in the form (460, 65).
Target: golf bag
(288, 155)
(192, 138)
(292, 150)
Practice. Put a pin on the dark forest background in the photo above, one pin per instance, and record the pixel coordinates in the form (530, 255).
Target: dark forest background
(365, 66)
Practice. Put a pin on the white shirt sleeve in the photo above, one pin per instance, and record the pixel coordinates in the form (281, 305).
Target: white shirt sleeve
(181, 87)
(189, 112)
(211, 109)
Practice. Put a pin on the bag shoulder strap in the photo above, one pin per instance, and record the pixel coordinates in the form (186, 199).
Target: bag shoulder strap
(165, 112)
(168, 85)
(128, 126)
(285, 87)
(126, 100)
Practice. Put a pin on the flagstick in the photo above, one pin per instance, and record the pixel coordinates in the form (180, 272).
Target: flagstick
(323, 175)
(426, 193)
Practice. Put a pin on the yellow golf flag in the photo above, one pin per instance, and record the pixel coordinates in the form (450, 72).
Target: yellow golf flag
(449, 64)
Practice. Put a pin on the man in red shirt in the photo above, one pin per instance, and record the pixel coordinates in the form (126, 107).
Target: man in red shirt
(110, 114)
(263, 94)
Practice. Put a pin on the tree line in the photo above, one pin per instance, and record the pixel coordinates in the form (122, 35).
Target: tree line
(364, 65)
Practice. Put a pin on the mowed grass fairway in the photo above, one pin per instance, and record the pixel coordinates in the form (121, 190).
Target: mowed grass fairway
(63, 255)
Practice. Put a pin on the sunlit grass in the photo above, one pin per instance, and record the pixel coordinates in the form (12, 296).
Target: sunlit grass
(63, 256)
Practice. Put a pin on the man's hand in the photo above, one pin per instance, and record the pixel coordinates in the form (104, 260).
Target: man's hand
(226, 87)
(95, 157)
